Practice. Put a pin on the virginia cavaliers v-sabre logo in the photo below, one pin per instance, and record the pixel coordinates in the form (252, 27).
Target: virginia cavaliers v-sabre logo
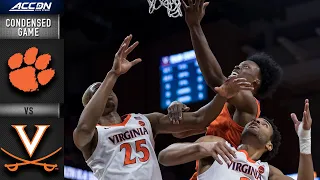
(31, 146)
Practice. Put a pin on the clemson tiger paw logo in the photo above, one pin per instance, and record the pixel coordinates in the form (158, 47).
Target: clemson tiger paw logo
(28, 78)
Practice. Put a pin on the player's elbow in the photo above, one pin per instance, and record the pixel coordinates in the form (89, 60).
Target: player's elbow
(81, 136)
(199, 121)
(76, 139)
(245, 101)
(164, 158)
(180, 135)
(83, 128)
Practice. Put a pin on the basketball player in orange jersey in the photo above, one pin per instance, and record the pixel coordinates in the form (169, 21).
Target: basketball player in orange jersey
(259, 69)
(122, 148)
(260, 140)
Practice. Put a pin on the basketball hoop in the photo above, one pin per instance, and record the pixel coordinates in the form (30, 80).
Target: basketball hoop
(172, 6)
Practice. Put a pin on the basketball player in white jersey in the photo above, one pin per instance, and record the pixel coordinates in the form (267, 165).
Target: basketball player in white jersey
(260, 140)
(123, 148)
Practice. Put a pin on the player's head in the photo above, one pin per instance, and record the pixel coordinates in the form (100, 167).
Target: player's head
(112, 103)
(262, 71)
(263, 134)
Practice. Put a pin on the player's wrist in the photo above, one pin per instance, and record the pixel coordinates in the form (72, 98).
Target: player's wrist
(194, 26)
(223, 97)
(305, 146)
(113, 73)
(202, 150)
(199, 147)
(304, 140)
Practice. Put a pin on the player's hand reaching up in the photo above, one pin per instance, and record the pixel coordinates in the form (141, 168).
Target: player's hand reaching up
(194, 11)
(233, 86)
(218, 148)
(306, 118)
(303, 128)
(120, 64)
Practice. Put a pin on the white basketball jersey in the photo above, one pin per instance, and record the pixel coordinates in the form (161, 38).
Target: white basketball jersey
(125, 151)
(242, 168)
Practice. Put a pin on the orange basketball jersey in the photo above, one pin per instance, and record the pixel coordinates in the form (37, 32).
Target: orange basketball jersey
(224, 126)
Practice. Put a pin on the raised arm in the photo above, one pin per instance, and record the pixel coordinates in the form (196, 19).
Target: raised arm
(86, 128)
(181, 153)
(208, 63)
(210, 68)
(203, 117)
(303, 129)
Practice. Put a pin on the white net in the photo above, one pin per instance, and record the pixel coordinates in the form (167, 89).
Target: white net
(173, 7)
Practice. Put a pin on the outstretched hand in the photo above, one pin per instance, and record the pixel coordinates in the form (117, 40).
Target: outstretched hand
(120, 64)
(218, 148)
(195, 11)
(175, 111)
(306, 119)
(233, 86)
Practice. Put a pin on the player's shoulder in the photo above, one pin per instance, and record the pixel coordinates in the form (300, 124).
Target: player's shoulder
(140, 117)
(275, 171)
(129, 116)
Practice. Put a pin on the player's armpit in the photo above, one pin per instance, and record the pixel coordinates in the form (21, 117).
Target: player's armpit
(244, 101)
(276, 174)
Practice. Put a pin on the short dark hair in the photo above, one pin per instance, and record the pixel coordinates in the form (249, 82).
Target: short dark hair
(275, 140)
(271, 74)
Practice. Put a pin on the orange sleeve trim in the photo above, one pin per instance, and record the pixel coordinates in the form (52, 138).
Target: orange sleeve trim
(225, 108)
(194, 176)
(258, 110)
(248, 158)
(124, 122)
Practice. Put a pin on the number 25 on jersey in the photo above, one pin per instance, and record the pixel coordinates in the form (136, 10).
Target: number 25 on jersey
(139, 148)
